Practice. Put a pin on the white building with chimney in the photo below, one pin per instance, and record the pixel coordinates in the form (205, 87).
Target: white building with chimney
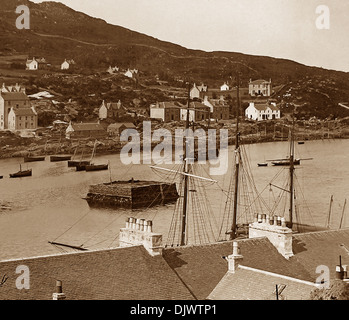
(262, 111)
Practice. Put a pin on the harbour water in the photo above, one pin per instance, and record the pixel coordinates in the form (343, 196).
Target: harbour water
(49, 205)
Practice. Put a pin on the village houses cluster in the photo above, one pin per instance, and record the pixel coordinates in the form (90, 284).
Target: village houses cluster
(212, 104)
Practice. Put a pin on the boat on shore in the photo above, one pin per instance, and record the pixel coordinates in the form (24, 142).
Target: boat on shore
(21, 173)
(95, 167)
(30, 158)
(59, 158)
(92, 166)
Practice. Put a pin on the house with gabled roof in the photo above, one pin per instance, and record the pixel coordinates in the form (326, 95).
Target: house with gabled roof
(131, 73)
(115, 129)
(260, 87)
(225, 87)
(165, 111)
(85, 130)
(260, 111)
(111, 110)
(67, 64)
(22, 119)
(197, 112)
(10, 97)
(198, 91)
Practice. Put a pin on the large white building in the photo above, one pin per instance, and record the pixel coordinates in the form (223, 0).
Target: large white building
(260, 88)
(262, 111)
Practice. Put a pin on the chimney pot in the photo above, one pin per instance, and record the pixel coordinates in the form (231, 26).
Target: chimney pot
(263, 218)
(279, 221)
(141, 225)
(275, 220)
(283, 222)
(259, 218)
(150, 226)
(59, 286)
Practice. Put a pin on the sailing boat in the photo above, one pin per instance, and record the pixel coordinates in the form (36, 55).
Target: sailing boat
(91, 166)
(59, 158)
(81, 163)
(21, 173)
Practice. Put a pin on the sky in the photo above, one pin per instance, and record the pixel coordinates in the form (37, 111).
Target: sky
(290, 29)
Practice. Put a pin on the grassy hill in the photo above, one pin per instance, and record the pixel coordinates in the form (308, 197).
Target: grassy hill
(58, 32)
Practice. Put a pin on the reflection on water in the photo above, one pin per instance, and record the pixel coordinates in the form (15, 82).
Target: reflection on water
(50, 205)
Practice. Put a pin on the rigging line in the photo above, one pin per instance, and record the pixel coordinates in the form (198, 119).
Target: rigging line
(100, 231)
(204, 216)
(72, 225)
(306, 204)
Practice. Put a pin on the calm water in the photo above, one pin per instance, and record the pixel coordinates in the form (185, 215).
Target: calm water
(50, 204)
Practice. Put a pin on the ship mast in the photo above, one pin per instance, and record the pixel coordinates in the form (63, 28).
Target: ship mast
(233, 233)
(186, 168)
(291, 172)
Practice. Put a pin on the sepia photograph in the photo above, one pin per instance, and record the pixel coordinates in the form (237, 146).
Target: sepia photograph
(174, 156)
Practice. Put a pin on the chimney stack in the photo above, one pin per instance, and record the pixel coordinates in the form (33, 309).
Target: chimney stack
(140, 232)
(58, 295)
(235, 258)
(275, 229)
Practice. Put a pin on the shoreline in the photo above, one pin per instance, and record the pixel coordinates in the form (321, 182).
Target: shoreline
(20, 152)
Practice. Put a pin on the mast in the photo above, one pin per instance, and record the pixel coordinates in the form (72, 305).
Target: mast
(237, 164)
(186, 180)
(291, 172)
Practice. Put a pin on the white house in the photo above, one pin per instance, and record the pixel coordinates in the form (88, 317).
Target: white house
(22, 119)
(262, 111)
(260, 88)
(67, 64)
(131, 73)
(196, 91)
(225, 87)
(112, 70)
(103, 111)
(32, 64)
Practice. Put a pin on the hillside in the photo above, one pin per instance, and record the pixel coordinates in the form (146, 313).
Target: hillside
(58, 32)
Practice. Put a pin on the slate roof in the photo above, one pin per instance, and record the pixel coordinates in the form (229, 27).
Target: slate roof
(87, 127)
(260, 81)
(24, 112)
(321, 248)
(116, 274)
(116, 126)
(14, 96)
(202, 267)
(247, 284)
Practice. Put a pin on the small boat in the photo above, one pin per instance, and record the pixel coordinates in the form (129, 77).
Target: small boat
(59, 158)
(21, 173)
(34, 158)
(264, 164)
(91, 166)
(96, 167)
(300, 142)
(78, 164)
(286, 162)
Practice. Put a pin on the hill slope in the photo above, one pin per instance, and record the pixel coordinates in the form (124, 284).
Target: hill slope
(58, 32)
